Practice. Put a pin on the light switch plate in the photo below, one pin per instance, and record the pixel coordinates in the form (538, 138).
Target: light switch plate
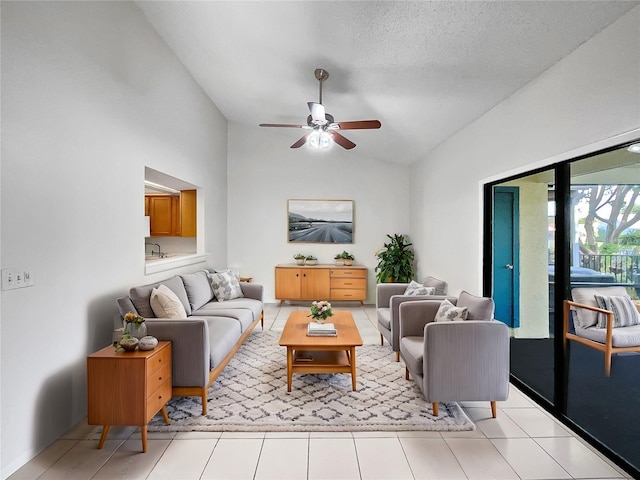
(13, 278)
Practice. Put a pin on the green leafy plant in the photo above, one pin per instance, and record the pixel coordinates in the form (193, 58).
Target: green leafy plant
(299, 256)
(310, 257)
(395, 260)
(344, 255)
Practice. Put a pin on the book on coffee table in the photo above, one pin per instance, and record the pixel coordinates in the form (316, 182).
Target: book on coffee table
(321, 330)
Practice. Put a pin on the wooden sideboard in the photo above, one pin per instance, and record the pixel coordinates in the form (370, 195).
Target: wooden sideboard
(321, 282)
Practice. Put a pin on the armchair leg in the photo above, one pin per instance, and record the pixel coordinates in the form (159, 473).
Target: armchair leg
(435, 405)
(397, 356)
(494, 409)
(381, 340)
(203, 395)
(607, 364)
(406, 373)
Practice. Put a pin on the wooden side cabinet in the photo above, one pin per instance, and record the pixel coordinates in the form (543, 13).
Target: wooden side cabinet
(321, 282)
(128, 388)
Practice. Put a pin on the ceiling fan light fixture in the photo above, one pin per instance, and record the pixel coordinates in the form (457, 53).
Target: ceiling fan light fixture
(319, 140)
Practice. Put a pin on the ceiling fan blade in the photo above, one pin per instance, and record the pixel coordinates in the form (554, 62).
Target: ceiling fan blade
(357, 125)
(285, 125)
(302, 141)
(317, 111)
(340, 140)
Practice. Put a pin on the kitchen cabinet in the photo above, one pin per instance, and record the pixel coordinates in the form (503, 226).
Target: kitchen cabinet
(172, 215)
(321, 282)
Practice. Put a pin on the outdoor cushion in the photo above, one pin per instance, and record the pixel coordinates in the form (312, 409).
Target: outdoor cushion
(413, 347)
(141, 296)
(586, 295)
(198, 289)
(624, 311)
(622, 337)
(384, 317)
(478, 308)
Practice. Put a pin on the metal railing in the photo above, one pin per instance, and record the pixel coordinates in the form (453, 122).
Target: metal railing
(625, 268)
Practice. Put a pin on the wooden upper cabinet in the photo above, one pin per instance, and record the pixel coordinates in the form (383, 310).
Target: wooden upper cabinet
(172, 215)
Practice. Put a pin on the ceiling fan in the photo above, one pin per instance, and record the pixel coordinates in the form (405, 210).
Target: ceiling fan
(322, 125)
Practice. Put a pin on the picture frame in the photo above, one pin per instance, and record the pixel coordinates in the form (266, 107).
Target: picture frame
(320, 221)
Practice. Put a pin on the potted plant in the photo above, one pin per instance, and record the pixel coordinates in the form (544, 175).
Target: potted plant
(310, 260)
(395, 260)
(345, 257)
(299, 258)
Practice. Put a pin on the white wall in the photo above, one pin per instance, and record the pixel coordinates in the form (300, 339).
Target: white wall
(264, 173)
(588, 97)
(90, 96)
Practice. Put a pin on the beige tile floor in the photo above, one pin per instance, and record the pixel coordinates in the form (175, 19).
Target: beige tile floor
(524, 442)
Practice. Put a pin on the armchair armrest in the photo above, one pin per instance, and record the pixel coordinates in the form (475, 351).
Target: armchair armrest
(570, 305)
(415, 315)
(394, 311)
(466, 360)
(384, 292)
(190, 349)
(252, 290)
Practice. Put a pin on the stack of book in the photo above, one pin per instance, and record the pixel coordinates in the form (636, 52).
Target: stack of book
(321, 330)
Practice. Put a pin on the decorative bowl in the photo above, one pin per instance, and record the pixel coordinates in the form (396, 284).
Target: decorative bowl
(129, 344)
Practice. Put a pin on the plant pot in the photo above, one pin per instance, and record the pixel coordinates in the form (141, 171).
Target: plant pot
(347, 262)
(300, 261)
(310, 262)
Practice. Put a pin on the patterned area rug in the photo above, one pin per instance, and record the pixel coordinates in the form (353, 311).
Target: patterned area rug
(251, 396)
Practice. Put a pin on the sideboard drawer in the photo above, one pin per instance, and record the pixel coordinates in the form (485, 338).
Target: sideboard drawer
(349, 273)
(357, 283)
(158, 361)
(157, 378)
(348, 294)
(158, 398)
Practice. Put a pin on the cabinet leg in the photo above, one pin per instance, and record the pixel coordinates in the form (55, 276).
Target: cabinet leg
(143, 431)
(103, 437)
(165, 416)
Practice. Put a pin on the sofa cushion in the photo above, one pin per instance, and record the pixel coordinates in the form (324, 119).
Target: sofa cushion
(166, 304)
(415, 288)
(384, 317)
(478, 308)
(198, 289)
(225, 286)
(625, 313)
(224, 332)
(412, 349)
(242, 315)
(448, 312)
(249, 304)
(440, 285)
(141, 296)
(586, 295)
(622, 337)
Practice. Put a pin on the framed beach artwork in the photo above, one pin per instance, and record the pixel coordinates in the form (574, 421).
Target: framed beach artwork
(320, 221)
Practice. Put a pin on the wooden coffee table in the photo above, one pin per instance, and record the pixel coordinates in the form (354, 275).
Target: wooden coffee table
(320, 354)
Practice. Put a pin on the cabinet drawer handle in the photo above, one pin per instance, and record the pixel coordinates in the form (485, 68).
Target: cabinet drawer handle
(159, 378)
(348, 283)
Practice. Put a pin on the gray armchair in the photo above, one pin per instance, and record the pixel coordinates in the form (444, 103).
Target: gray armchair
(389, 297)
(456, 361)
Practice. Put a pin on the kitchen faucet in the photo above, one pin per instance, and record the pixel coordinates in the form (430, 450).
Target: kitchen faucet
(154, 245)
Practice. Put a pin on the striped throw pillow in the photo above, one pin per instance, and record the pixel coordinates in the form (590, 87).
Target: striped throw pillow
(624, 311)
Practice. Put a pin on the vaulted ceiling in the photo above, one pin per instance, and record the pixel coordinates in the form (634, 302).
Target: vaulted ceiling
(424, 69)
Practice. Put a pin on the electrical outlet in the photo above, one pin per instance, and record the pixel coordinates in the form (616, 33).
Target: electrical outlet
(13, 278)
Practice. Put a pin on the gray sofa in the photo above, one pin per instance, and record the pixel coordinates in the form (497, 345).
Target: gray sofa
(389, 297)
(206, 340)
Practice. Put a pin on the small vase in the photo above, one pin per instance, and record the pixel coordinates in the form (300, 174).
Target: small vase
(300, 261)
(319, 320)
(136, 330)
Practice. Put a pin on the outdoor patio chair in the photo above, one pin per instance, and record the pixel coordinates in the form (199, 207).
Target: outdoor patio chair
(611, 330)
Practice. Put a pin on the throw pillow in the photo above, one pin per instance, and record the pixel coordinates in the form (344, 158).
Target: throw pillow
(624, 311)
(225, 286)
(448, 312)
(415, 288)
(166, 304)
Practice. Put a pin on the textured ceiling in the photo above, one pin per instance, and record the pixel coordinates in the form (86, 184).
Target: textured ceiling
(424, 69)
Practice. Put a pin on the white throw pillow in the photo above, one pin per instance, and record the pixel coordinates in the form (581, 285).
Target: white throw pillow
(624, 311)
(166, 304)
(415, 288)
(225, 286)
(448, 312)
